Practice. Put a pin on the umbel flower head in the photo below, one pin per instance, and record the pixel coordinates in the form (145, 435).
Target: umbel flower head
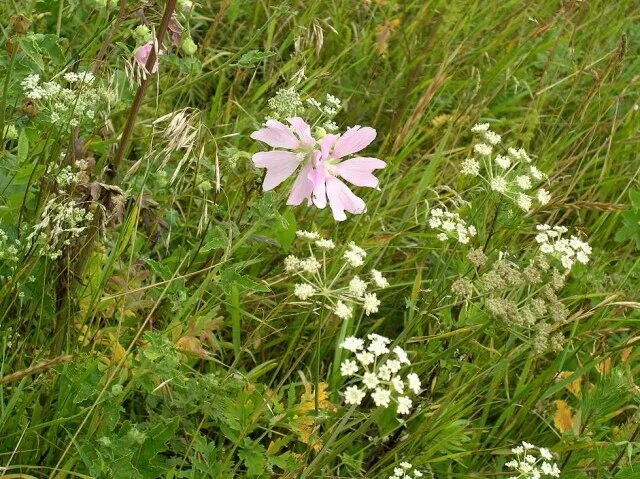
(404, 472)
(342, 291)
(567, 250)
(322, 164)
(377, 371)
(511, 173)
(532, 462)
(450, 225)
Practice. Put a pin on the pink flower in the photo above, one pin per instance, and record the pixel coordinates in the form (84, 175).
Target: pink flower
(281, 164)
(141, 55)
(318, 180)
(358, 171)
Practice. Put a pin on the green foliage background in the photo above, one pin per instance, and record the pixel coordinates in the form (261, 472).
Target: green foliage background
(98, 379)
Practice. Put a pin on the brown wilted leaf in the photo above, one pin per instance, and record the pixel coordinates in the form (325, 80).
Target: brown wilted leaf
(626, 352)
(563, 419)
(604, 367)
(383, 33)
(192, 346)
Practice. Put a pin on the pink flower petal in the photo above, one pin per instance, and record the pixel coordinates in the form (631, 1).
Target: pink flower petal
(280, 165)
(318, 176)
(353, 140)
(276, 135)
(141, 55)
(303, 130)
(326, 144)
(341, 198)
(302, 187)
(357, 171)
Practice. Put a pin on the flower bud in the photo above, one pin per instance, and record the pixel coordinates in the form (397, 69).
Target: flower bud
(189, 47)
(142, 34)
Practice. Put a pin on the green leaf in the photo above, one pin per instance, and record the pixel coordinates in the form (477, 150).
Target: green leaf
(253, 454)
(23, 146)
(254, 56)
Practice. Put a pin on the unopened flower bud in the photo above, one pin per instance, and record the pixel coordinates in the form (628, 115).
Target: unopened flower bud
(189, 47)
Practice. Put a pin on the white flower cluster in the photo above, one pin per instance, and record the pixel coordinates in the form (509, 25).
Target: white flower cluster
(285, 104)
(404, 472)
(378, 373)
(66, 106)
(513, 174)
(532, 462)
(450, 225)
(61, 223)
(288, 102)
(9, 249)
(567, 250)
(339, 295)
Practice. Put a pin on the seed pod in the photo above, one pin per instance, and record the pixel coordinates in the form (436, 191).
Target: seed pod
(19, 24)
(29, 108)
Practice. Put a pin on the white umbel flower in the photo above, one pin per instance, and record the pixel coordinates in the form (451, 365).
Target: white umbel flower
(343, 311)
(304, 291)
(353, 395)
(379, 280)
(483, 149)
(470, 167)
(371, 303)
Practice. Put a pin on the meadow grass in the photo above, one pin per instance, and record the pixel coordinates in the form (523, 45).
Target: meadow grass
(165, 341)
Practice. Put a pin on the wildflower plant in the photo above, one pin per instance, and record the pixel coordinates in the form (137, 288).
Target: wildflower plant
(510, 172)
(66, 101)
(61, 223)
(531, 462)
(341, 292)
(323, 161)
(378, 371)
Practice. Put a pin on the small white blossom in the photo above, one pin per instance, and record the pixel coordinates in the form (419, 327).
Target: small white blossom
(371, 303)
(503, 162)
(414, 383)
(523, 182)
(357, 287)
(353, 395)
(470, 167)
(353, 344)
(483, 149)
(404, 405)
(308, 235)
(499, 184)
(381, 397)
(304, 291)
(480, 127)
(343, 311)
(325, 244)
(348, 367)
(379, 280)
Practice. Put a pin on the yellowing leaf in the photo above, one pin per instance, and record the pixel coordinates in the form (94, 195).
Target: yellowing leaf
(191, 345)
(574, 387)
(563, 419)
(626, 352)
(383, 33)
(604, 367)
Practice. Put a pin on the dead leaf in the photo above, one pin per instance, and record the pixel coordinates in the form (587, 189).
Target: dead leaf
(604, 367)
(383, 33)
(563, 419)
